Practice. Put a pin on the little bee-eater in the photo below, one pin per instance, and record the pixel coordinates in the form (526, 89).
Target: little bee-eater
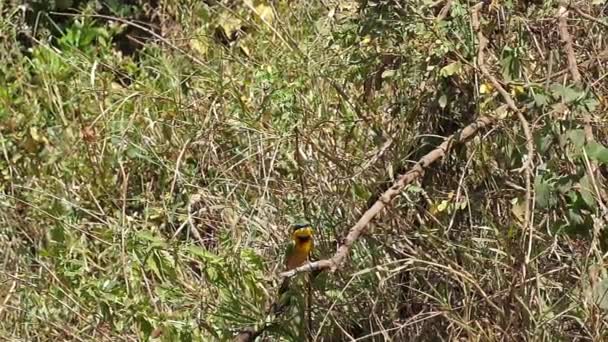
(297, 254)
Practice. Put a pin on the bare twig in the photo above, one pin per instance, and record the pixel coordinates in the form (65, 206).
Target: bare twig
(588, 17)
(333, 263)
(9, 293)
(586, 64)
(527, 164)
(176, 173)
(444, 10)
(562, 16)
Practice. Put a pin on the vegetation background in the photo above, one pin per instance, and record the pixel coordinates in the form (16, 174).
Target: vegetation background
(154, 153)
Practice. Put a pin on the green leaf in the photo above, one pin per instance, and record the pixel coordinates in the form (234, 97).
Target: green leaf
(575, 217)
(360, 191)
(150, 237)
(450, 69)
(577, 137)
(586, 191)
(591, 104)
(145, 327)
(58, 234)
(600, 294)
(566, 93)
(541, 100)
(545, 142)
(133, 152)
(153, 264)
(544, 193)
(563, 185)
(597, 152)
(414, 189)
(204, 254)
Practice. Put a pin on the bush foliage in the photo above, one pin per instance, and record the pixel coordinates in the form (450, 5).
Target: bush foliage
(154, 154)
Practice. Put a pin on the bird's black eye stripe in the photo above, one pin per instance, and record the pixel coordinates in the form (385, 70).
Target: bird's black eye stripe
(300, 226)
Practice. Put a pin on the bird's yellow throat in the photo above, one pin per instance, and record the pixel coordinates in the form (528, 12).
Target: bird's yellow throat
(302, 238)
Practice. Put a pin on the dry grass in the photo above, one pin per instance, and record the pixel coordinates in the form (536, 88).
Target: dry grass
(148, 195)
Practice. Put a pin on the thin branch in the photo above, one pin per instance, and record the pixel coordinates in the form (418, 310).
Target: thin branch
(587, 16)
(527, 164)
(592, 167)
(444, 11)
(562, 16)
(335, 262)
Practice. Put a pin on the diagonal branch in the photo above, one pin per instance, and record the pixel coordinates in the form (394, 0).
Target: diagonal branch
(335, 262)
(527, 164)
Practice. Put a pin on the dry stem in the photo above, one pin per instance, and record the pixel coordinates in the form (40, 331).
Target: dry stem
(527, 164)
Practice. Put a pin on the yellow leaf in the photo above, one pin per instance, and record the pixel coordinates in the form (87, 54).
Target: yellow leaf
(265, 13)
(433, 209)
(442, 206)
(486, 88)
(517, 90)
(34, 133)
(229, 23)
(116, 86)
(199, 44)
(518, 209)
(500, 113)
(245, 50)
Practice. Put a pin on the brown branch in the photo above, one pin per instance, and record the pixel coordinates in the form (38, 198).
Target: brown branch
(335, 262)
(527, 164)
(586, 64)
(588, 17)
(562, 15)
(595, 175)
(444, 11)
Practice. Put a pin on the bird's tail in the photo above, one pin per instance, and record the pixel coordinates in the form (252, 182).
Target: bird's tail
(282, 300)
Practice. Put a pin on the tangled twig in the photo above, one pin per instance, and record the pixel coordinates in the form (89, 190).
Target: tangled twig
(527, 164)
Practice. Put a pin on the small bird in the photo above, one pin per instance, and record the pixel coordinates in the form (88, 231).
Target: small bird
(297, 254)
(299, 250)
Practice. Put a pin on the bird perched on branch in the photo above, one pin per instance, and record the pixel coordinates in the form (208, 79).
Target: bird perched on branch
(297, 253)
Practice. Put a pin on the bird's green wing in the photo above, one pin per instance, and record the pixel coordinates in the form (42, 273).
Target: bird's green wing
(288, 252)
